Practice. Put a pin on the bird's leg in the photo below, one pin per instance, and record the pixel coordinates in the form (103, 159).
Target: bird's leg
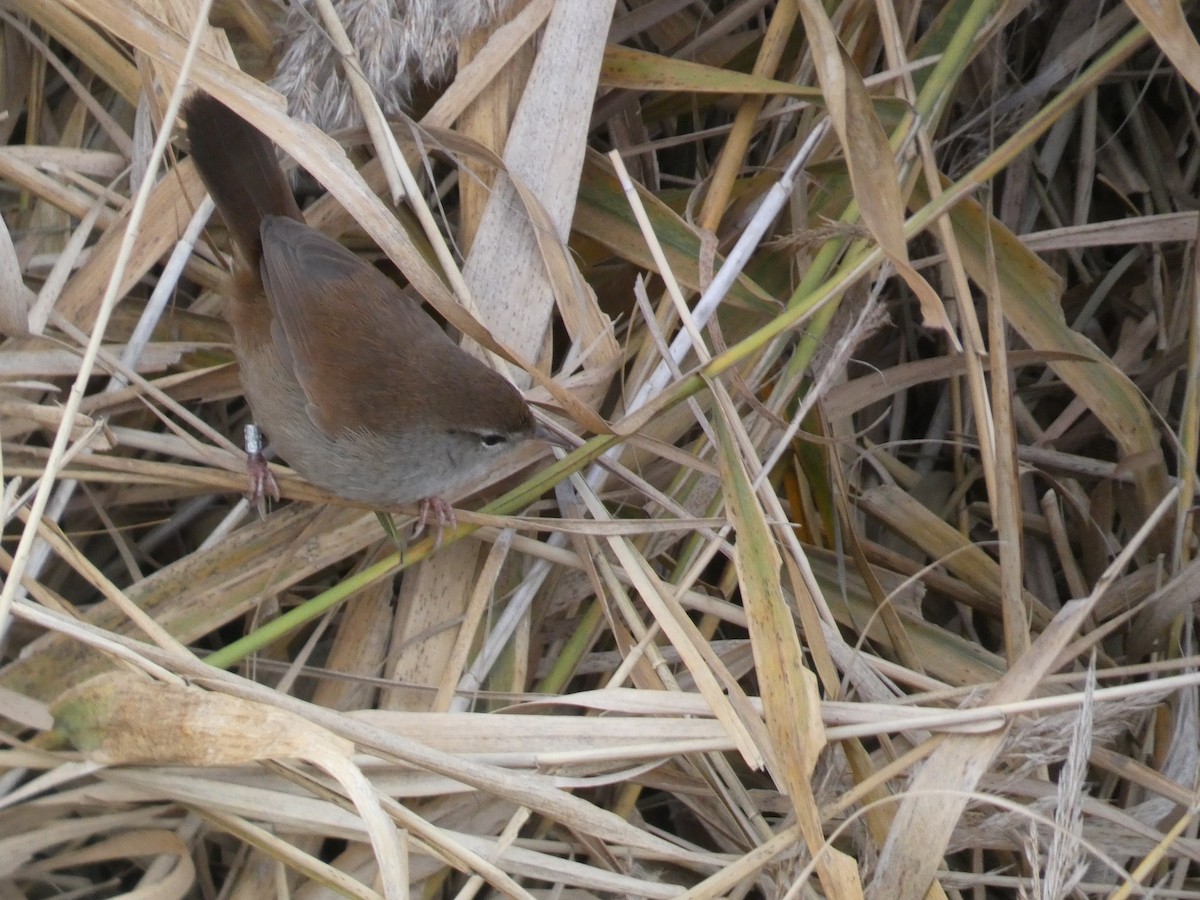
(261, 479)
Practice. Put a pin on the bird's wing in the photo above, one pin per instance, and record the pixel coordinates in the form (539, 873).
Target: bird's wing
(362, 349)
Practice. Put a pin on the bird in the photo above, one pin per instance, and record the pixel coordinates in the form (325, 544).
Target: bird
(354, 383)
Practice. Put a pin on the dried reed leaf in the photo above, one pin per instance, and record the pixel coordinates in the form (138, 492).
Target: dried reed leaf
(945, 544)
(612, 775)
(626, 67)
(1030, 292)
(15, 298)
(205, 589)
(119, 719)
(1165, 21)
(869, 158)
(603, 214)
(88, 46)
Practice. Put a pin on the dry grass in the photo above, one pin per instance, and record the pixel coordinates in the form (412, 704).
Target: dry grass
(875, 569)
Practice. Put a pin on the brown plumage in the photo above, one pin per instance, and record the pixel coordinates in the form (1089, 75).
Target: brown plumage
(354, 384)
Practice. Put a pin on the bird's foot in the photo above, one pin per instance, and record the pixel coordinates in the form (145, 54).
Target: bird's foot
(439, 510)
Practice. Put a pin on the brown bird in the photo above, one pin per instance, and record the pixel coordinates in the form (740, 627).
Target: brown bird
(355, 385)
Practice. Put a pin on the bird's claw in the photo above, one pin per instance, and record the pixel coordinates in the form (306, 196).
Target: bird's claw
(442, 511)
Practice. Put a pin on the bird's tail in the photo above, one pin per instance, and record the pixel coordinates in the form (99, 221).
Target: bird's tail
(240, 169)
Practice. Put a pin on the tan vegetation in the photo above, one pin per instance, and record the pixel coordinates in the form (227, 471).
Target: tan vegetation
(872, 574)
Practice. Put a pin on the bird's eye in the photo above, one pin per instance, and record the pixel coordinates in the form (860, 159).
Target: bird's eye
(492, 439)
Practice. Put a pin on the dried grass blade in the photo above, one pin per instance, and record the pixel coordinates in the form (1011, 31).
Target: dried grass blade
(15, 298)
(791, 704)
(198, 593)
(1031, 296)
(122, 719)
(177, 882)
(280, 850)
(733, 154)
(939, 791)
(1166, 23)
(919, 526)
(502, 45)
(170, 206)
(91, 48)
(603, 215)
(869, 158)
(712, 678)
(638, 70)
(789, 690)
